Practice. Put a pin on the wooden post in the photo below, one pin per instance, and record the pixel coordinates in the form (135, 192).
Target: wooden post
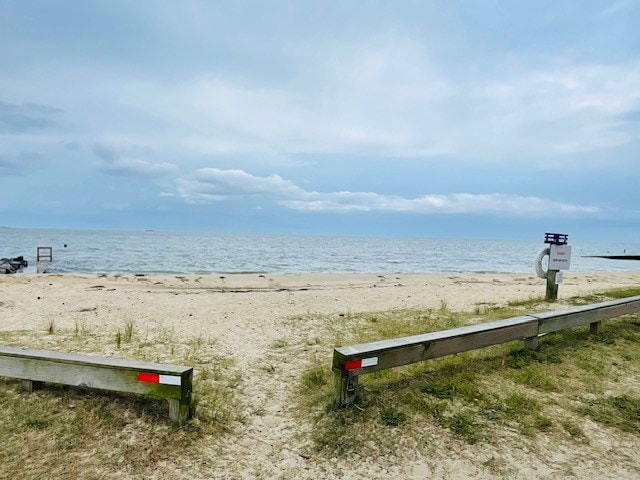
(531, 343)
(346, 388)
(593, 328)
(28, 386)
(552, 287)
(179, 410)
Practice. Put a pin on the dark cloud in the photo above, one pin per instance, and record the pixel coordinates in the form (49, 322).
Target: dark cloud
(71, 145)
(104, 153)
(26, 117)
(21, 164)
(113, 163)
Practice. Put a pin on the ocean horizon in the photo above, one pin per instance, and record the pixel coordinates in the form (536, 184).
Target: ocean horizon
(160, 252)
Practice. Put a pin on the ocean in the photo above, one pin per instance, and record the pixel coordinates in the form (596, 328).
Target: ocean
(155, 252)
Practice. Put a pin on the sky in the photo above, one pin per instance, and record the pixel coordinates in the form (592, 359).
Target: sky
(492, 119)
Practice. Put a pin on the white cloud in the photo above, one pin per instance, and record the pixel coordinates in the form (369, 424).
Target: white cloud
(138, 168)
(214, 184)
(239, 181)
(385, 96)
(494, 203)
(567, 109)
(620, 6)
(391, 101)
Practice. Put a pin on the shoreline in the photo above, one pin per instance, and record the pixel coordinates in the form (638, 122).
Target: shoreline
(241, 297)
(44, 268)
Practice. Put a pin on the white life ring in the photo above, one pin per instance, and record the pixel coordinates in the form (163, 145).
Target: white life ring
(541, 272)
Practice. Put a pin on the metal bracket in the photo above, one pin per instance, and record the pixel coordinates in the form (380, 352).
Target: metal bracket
(352, 380)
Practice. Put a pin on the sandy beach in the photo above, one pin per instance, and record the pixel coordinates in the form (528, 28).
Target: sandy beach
(246, 315)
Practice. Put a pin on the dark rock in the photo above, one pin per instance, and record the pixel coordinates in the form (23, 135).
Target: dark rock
(12, 265)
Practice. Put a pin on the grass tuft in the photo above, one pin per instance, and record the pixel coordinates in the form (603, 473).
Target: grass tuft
(316, 377)
(464, 424)
(128, 331)
(392, 417)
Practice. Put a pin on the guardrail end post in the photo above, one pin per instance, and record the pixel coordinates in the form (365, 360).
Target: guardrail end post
(179, 410)
(28, 386)
(346, 388)
(594, 327)
(531, 343)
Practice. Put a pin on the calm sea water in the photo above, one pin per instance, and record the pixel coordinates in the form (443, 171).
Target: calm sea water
(171, 252)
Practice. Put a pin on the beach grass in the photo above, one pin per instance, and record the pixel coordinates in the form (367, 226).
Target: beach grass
(568, 390)
(67, 433)
(487, 395)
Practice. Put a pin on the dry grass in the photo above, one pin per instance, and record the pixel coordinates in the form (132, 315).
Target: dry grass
(67, 433)
(480, 396)
(575, 384)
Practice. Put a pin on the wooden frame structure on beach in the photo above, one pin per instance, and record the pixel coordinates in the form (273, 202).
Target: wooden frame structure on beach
(170, 382)
(44, 254)
(351, 361)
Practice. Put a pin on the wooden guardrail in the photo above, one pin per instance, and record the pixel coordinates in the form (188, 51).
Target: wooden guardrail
(170, 382)
(351, 361)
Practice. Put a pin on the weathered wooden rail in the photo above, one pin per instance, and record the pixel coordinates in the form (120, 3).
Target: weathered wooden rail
(170, 382)
(351, 361)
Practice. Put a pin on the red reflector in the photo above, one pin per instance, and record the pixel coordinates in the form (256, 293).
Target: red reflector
(148, 377)
(353, 364)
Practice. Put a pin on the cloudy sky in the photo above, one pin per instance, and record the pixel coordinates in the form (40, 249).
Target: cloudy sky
(444, 118)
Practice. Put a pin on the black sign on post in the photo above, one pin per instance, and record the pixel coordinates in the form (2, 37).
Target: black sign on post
(556, 238)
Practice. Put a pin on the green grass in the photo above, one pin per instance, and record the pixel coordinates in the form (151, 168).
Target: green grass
(605, 295)
(316, 377)
(619, 411)
(62, 425)
(128, 331)
(483, 394)
(392, 417)
(528, 303)
(535, 377)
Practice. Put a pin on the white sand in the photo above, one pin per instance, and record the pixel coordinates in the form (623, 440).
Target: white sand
(247, 315)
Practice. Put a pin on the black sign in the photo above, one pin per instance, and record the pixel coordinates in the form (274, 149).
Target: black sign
(556, 238)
